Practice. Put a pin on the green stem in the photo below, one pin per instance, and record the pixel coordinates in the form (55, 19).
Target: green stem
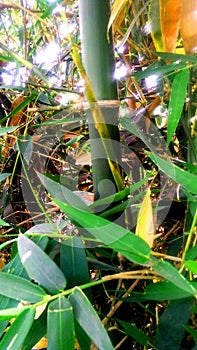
(98, 60)
(189, 238)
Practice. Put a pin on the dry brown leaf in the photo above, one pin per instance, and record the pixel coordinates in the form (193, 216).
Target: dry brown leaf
(20, 117)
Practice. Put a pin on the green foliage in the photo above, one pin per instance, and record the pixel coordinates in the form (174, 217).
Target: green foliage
(16, 285)
(171, 337)
(18, 330)
(80, 262)
(88, 319)
(39, 266)
(60, 314)
(112, 235)
(177, 100)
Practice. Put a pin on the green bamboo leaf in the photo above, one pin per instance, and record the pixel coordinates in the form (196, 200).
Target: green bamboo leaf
(121, 195)
(180, 176)
(6, 303)
(18, 288)
(135, 127)
(111, 234)
(44, 228)
(7, 129)
(191, 167)
(192, 253)
(25, 145)
(177, 57)
(158, 69)
(166, 290)
(82, 337)
(60, 325)
(4, 223)
(62, 193)
(18, 331)
(171, 327)
(193, 333)
(15, 266)
(73, 262)
(122, 206)
(25, 63)
(9, 313)
(88, 319)
(61, 121)
(131, 330)
(39, 266)
(177, 100)
(192, 266)
(36, 332)
(169, 272)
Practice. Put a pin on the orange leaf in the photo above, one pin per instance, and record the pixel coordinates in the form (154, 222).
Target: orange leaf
(170, 16)
(188, 23)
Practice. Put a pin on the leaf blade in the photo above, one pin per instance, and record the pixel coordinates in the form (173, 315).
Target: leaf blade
(145, 222)
(88, 319)
(73, 262)
(184, 178)
(60, 325)
(111, 234)
(40, 267)
(168, 271)
(177, 99)
(17, 332)
(18, 288)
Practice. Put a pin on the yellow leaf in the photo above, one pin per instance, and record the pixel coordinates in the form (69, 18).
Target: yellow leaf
(42, 344)
(145, 221)
(118, 6)
(155, 24)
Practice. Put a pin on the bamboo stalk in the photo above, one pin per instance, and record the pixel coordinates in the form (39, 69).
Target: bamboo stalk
(98, 60)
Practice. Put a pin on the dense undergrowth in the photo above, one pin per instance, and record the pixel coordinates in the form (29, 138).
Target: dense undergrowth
(118, 272)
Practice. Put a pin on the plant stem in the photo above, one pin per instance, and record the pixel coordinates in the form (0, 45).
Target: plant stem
(98, 60)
